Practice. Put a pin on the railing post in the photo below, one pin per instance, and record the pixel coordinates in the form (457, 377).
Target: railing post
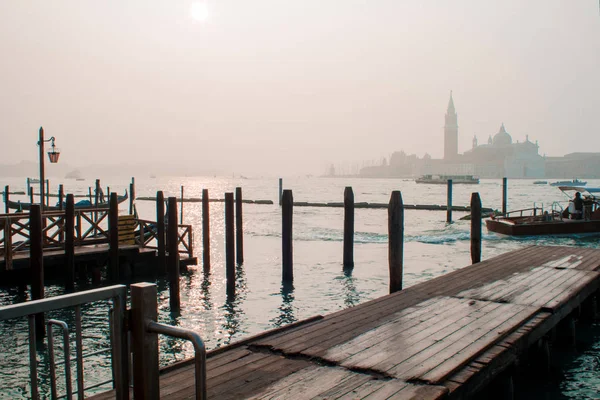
(280, 190)
(396, 240)
(113, 237)
(181, 210)
(31, 195)
(287, 256)
(449, 203)
(205, 232)
(348, 228)
(6, 199)
(173, 259)
(239, 227)
(229, 244)
(160, 233)
(70, 243)
(475, 228)
(504, 194)
(36, 258)
(61, 207)
(47, 192)
(144, 308)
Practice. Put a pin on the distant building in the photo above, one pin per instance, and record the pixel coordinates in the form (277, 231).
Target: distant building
(574, 165)
(451, 132)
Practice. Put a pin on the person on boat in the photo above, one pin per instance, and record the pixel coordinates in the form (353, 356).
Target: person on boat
(547, 217)
(578, 203)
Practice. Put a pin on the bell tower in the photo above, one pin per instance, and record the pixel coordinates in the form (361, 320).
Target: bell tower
(451, 132)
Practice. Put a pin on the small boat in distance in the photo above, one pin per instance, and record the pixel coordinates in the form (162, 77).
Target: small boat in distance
(540, 182)
(555, 221)
(574, 182)
(443, 179)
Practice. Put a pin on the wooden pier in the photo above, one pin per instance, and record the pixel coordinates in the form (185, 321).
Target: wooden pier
(447, 338)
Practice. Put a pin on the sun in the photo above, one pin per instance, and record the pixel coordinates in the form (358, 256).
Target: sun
(199, 11)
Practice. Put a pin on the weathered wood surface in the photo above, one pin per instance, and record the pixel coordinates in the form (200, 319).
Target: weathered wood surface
(444, 338)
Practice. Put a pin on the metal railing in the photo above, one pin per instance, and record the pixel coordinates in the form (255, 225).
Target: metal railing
(118, 295)
(199, 350)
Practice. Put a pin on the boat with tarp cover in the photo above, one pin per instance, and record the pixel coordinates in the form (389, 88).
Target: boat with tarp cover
(557, 220)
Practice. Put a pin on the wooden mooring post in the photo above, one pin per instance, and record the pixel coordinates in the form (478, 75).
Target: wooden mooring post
(475, 228)
(173, 259)
(6, 199)
(280, 190)
(449, 202)
(113, 237)
(132, 196)
(160, 233)
(144, 344)
(36, 258)
(31, 201)
(47, 192)
(181, 210)
(61, 197)
(205, 232)
(229, 244)
(287, 248)
(504, 194)
(239, 227)
(348, 261)
(70, 243)
(396, 240)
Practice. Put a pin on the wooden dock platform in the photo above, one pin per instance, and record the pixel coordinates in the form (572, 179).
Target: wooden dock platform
(445, 338)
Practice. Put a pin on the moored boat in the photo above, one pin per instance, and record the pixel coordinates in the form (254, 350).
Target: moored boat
(556, 221)
(574, 182)
(540, 182)
(21, 206)
(443, 179)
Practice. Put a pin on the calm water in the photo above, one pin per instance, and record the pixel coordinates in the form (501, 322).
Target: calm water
(432, 248)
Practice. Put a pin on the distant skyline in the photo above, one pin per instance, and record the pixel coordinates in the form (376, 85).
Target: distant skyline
(279, 88)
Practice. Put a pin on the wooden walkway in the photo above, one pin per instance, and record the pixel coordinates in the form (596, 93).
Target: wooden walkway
(444, 338)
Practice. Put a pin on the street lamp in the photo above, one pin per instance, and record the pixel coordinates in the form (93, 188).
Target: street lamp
(53, 155)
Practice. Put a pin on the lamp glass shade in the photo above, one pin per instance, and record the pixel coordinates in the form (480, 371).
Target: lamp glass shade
(53, 155)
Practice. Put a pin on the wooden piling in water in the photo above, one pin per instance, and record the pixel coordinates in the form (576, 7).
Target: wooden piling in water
(31, 195)
(90, 194)
(348, 260)
(173, 259)
(132, 196)
(113, 237)
(229, 243)
(475, 228)
(239, 227)
(449, 202)
(36, 266)
(61, 197)
(504, 194)
(144, 344)
(280, 190)
(6, 199)
(47, 192)
(181, 210)
(70, 243)
(396, 240)
(287, 256)
(205, 232)
(160, 233)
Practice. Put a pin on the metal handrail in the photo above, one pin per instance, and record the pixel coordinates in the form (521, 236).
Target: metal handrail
(199, 349)
(65, 331)
(117, 293)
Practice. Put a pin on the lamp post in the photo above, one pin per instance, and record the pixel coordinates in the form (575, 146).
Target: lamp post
(53, 155)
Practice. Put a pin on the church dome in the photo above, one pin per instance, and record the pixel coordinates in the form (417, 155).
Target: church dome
(502, 138)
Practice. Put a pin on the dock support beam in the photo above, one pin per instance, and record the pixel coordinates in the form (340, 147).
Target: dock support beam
(396, 240)
(132, 196)
(504, 194)
(173, 260)
(144, 308)
(229, 244)
(113, 237)
(475, 228)
(449, 203)
(37, 263)
(70, 243)
(160, 233)
(181, 210)
(348, 228)
(205, 232)
(239, 227)
(287, 256)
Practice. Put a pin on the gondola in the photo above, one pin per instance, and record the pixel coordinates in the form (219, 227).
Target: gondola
(21, 206)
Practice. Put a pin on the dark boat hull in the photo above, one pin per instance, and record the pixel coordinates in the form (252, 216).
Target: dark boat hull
(543, 228)
(15, 205)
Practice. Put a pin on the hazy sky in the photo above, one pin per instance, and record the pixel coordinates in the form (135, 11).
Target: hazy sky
(277, 86)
